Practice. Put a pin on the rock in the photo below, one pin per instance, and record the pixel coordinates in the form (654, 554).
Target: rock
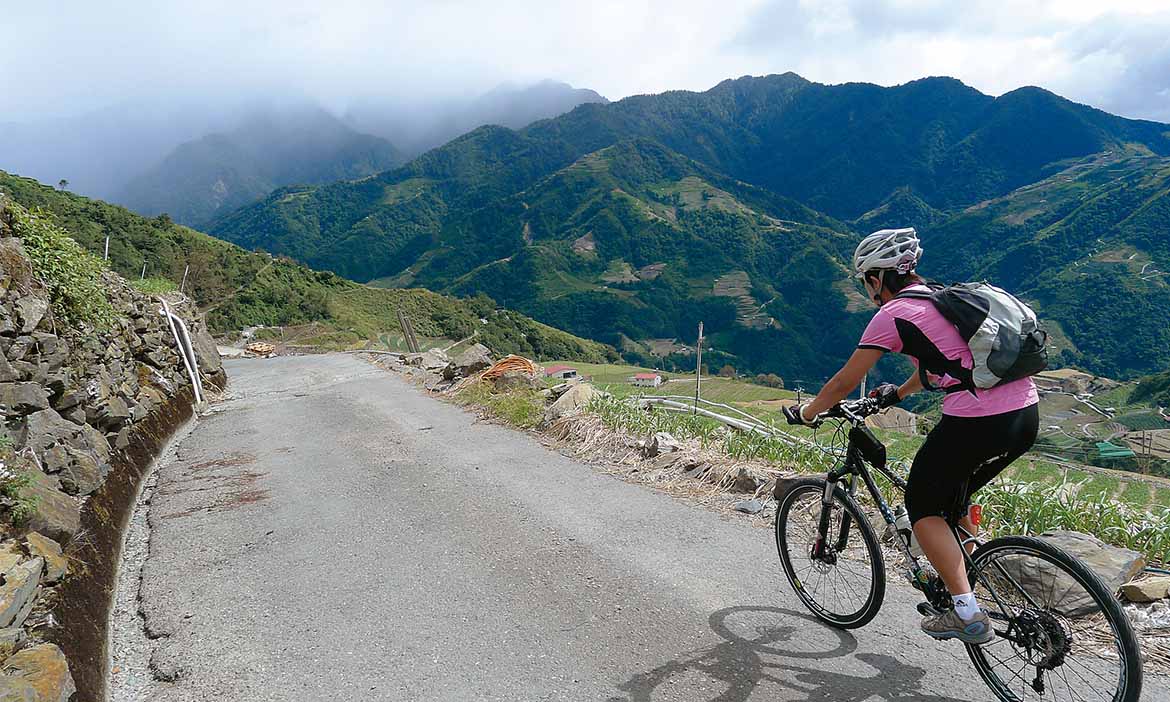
(31, 309)
(55, 459)
(14, 688)
(45, 667)
(56, 564)
(69, 400)
(109, 415)
(43, 429)
(1114, 565)
(206, 353)
(434, 360)
(20, 348)
(23, 398)
(516, 380)
(19, 585)
(15, 267)
(83, 474)
(572, 402)
(562, 388)
(749, 506)
(473, 359)
(8, 374)
(662, 442)
(10, 556)
(93, 440)
(748, 480)
(75, 415)
(55, 514)
(1147, 590)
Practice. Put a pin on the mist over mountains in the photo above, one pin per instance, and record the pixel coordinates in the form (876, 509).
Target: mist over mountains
(507, 105)
(199, 158)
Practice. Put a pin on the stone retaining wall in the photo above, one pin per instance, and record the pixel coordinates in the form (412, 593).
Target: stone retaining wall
(83, 413)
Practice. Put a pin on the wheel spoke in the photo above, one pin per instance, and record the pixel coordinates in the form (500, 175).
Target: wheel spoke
(840, 586)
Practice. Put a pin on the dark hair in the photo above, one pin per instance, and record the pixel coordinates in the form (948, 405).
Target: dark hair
(894, 281)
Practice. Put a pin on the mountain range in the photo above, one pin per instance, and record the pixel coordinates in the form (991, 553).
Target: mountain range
(627, 221)
(221, 172)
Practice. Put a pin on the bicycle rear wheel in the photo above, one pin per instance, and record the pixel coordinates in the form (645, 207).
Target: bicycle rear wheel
(842, 581)
(1060, 633)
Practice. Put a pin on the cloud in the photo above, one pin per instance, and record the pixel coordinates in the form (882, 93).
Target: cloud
(64, 57)
(1115, 56)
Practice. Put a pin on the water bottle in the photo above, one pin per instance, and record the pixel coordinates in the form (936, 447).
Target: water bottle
(902, 524)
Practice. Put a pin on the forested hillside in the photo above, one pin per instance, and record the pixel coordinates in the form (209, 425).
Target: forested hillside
(562, 219)
(1089, 245)
(238, 288)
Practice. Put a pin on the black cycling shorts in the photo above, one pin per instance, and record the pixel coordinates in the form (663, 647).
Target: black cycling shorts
(970, 450)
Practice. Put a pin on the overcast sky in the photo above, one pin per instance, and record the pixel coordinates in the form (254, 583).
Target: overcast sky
(62, 57)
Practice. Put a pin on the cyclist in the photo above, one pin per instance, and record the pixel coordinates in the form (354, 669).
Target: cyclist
(981, 431)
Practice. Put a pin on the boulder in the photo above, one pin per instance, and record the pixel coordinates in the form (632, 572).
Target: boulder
(31, 310)
(44, 429)
(749, 506)
(20, 348)
(15, 268)
(516, 380)
(1147, 590)
(662, 442)
(1114, 565)
(56, 564)
(434, 360)
(562, 388)
(82, 474)
(748, 480)
(206, 353)
(19, 585)
(55, 514)
(473, 359)
(572, 402)
(14, 688)
(110, 414)
(23, 398)
(8, 374)
(46, 669)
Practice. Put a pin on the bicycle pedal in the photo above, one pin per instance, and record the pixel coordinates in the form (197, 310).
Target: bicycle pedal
(927, 610)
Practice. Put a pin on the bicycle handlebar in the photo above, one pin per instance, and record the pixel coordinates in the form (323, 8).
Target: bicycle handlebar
(854, 410)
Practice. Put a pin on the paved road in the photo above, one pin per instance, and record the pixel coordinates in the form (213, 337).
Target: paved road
(333, 534)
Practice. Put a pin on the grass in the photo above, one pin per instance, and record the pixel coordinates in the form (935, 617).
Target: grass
(523, 409)
(13, 485)
(732, 391)
(155, 286)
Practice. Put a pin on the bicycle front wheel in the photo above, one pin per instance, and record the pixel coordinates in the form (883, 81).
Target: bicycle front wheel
(840, 578)
(1060, 633)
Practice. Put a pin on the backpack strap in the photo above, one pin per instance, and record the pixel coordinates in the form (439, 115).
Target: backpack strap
(964, 384)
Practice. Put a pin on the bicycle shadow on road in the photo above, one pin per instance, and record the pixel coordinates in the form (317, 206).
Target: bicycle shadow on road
(750, 655)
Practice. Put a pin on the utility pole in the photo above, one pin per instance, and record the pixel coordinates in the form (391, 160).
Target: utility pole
(698, 366)
(184, 283)
(143, 276)
(106, 255)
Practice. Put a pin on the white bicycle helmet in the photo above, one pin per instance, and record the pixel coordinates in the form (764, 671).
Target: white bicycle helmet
(888, 249)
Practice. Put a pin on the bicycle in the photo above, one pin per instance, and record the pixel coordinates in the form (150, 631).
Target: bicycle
(1058, 627)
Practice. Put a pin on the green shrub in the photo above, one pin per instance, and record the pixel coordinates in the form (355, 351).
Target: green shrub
(155, 286)
(73, 276)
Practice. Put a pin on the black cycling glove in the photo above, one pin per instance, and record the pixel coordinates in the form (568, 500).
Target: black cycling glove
(886, 394)
(792, 414)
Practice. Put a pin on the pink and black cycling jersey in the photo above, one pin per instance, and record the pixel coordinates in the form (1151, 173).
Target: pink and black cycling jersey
(917, 329)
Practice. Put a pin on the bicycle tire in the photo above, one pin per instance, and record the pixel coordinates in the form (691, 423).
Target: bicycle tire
(1130, 676)
(873, 601)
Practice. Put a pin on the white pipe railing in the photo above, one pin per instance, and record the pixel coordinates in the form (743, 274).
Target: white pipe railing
(186, 350)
